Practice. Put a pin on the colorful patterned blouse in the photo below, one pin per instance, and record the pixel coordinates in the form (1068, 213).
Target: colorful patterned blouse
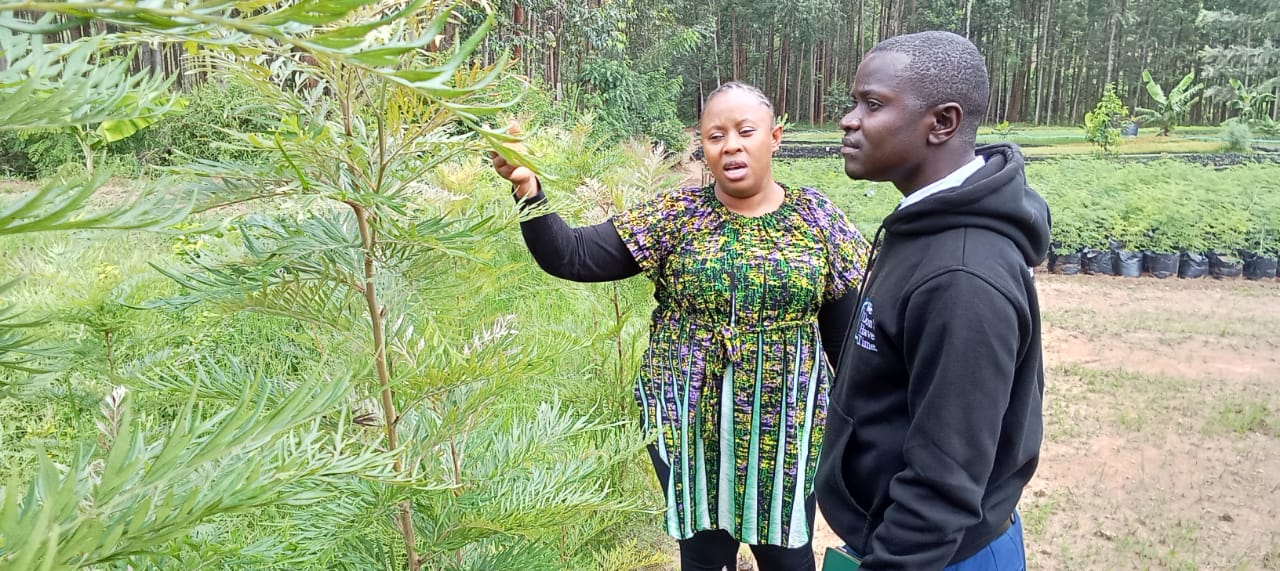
(734, 381)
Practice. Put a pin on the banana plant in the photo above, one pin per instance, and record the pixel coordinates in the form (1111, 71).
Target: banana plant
(1171, 107)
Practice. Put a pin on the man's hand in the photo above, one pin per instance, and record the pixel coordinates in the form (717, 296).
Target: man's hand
(526, 184)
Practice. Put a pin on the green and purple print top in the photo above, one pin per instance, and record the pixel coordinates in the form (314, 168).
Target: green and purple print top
(734, 381)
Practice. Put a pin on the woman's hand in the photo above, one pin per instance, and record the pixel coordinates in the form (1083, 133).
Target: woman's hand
(523, 179)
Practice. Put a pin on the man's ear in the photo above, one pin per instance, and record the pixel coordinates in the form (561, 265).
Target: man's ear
(946, 119)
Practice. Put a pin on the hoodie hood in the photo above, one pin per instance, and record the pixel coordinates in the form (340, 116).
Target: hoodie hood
(995, 198)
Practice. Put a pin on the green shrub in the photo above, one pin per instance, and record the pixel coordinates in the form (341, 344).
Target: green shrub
(1238, 136)
(1101, 126)
(629, 103)
(48, 151)
(837, 101)
(199, 131)
(14, 160)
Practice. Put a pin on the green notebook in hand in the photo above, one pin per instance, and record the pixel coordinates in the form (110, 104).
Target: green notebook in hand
(839, 560)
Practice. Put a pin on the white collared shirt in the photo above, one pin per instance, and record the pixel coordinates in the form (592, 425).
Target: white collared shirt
(956, 178)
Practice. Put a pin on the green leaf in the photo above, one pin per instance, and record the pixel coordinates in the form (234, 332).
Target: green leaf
(52, 86)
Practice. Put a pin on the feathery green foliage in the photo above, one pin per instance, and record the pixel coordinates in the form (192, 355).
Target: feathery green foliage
(144, 490)
(52, 86)
(424, 459)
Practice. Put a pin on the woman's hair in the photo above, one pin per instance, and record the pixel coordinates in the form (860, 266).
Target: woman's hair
(739, 86)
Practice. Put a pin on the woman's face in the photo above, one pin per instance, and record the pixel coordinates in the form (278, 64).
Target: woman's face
(739, 138)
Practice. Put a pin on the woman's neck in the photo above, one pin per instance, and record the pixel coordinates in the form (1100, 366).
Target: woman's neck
(759, 203)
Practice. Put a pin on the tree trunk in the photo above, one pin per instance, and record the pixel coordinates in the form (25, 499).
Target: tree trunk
(733, 50)
(1035, 63)
(769, 72)
(855, 39)
(799, 97)
(968, 17)
(1113, 19)
(784, 60)
(813, 81)
(862, 43)
(1017, 88)
(1078, 89)
(390, 418)
(715, 42)
(517, 21)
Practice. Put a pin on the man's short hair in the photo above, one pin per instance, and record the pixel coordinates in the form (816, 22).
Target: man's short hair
(943, 68)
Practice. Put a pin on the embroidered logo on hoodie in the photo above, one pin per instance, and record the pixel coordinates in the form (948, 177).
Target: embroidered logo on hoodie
(865, 336)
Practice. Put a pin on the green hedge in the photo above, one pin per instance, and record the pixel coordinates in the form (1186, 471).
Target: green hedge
(1163, 206)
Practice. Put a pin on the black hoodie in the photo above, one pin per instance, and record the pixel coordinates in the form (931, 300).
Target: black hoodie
(935, 419)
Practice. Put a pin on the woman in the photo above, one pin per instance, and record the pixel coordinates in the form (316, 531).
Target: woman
(752, 280)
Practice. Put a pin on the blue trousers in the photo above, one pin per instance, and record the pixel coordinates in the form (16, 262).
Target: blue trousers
(1004, 553)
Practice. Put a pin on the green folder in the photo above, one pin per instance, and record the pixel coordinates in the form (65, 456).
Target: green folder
(839, 560)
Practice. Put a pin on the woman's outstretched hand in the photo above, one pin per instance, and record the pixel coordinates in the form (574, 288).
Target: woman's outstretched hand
(523, 179)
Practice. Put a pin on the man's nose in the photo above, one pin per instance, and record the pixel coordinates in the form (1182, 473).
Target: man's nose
(851, 121)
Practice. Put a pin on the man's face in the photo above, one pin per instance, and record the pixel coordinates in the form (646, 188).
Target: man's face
(886, 134)
(738, 141)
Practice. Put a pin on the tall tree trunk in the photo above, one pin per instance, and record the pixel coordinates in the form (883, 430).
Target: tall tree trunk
(733, 50)
(881, 8)
(968, 17)
(769, 72)
(517, 21)
(784, 59)
(862, 30)
(799, 97)
(1017, 89)
(1039, 70)
(1055, 85)
(855, 40)
(715, 42)
(1113, 20)
(1081, 79)
(813, 82)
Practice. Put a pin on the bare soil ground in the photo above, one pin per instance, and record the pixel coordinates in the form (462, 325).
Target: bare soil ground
(1162, 422)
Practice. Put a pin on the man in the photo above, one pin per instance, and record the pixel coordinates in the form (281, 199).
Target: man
(934, 426)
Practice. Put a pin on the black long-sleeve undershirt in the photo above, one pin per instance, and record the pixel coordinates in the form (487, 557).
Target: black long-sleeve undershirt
(597, 254)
